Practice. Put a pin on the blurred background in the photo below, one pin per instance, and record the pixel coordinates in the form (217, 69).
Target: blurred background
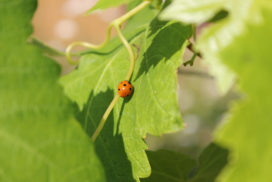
(58, 23)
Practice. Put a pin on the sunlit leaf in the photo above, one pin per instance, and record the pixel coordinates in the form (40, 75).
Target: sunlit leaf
(240, 41)
(248, 131)
(104, 4)
(152, 108)
(39, 139)
(221, 33)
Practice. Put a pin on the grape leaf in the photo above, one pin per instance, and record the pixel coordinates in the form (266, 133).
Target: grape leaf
(172, 166)
(221, 34)
(79, 83)
(240, 41)
(39, 138)
(195, 11)
(169, 166)
(210, 163)
(153, 107)
(247, 133)
(104, 4)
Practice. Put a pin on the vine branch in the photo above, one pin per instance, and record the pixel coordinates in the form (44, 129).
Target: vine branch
(87, 45)
(130, 52)
(104, 118)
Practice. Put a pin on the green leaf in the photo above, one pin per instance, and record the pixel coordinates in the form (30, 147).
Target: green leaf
(219, 16)
(221, 34)
(104, 4)
(153, 107)
(79, 83)
(195, 11)
(44, 47)
(109, 145)
(39, 139)
(169, 166)
(210, 163)
(175, 167)
(248, 132)
(241, 42)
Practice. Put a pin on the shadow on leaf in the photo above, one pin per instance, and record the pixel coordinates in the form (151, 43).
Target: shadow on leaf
(169, 39)
(156, 23)
(108, 146)
(173, 166)
(155, 26)
(210, 163)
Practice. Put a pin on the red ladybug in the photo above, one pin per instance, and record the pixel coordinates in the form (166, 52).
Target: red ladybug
(125, 88)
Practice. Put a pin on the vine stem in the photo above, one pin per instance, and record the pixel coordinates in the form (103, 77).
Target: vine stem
(105, 117)
(194, 32)
(130, 52)
(192, 48)
(87, 45)
(132, 12)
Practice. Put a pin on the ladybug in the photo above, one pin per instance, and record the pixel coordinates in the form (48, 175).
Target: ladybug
(125, 88)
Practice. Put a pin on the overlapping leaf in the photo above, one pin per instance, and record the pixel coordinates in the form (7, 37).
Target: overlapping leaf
(39, 139)
(196, 11)
(221, 34)
(240, 41)
(104, 4)
(248, 131)
(153, 107)
(172, 166)
(169, 166)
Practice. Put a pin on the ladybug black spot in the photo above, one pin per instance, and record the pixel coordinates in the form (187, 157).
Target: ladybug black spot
(125, 85)
(130, 88)
(119, 89)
